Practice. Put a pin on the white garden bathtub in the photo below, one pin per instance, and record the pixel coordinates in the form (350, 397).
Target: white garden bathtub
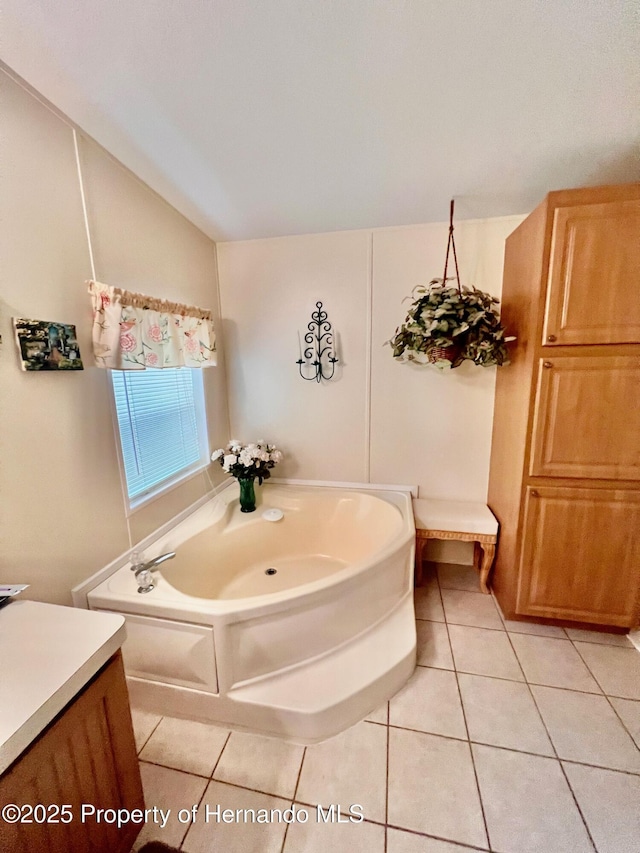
(303, 652)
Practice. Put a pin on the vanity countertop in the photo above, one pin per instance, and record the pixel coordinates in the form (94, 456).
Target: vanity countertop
(48, 654)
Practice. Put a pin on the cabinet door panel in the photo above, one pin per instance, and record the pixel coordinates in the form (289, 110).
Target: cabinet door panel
(593, 292)
(587, 418)
(581, 555)
(87, 755)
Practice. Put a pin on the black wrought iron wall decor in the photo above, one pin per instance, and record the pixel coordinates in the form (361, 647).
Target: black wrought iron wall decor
(319, 358)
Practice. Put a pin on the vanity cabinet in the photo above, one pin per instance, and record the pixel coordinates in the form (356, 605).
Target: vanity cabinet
(565, 458)
(86, 755)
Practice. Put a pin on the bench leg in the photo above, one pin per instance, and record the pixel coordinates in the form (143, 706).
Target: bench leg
(488, 553)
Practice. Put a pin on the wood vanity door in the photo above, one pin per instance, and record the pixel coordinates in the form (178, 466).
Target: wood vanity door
(587, 418)
(87, 755)
(581, 555)
(593, 292)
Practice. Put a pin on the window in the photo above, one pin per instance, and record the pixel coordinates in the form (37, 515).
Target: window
(162, 426)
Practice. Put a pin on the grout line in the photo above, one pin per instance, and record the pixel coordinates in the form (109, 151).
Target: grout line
(564, 636)
(461, 588)
(601, 643)
(177, 769)
(386, 803)
(415, 832)
(386, 792)
(304, 755)
(554, 757)
(186, 773)
(464, 717)
(506, 630)
(293, 798)
(206, 788)
(622, 722)
(633, 773)
(533, 683)
(215, 766)
(150, 735)
(533, 698)
(553, 746)
(515, 654)
(242, 787)
(475, 627)
(606, 695)
(575, 800)
(438, 734)
(589, 670)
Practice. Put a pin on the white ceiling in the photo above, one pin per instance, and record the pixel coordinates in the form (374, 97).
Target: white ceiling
(267, 117)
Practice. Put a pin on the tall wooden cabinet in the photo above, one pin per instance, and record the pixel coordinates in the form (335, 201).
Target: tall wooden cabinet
(565, 456)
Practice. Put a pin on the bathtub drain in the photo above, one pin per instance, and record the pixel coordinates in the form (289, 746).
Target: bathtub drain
(270, 571)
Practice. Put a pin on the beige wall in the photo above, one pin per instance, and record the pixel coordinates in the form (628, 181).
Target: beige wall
(433, 428)
(269, 289)
(62, 513)
(379, 421)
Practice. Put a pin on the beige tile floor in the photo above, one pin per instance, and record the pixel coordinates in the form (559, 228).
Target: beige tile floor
(509, 737)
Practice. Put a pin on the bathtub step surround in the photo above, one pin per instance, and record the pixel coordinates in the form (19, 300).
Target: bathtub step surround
(476, 752)
(295, 629)
(464, 521)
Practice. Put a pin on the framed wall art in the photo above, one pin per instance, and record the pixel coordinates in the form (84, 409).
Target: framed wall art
(46, 345)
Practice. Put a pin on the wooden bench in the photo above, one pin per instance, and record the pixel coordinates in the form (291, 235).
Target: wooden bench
(457, 520)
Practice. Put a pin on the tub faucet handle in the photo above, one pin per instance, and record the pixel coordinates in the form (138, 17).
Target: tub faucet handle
(136, 558)
(143, 571)
(145, 580)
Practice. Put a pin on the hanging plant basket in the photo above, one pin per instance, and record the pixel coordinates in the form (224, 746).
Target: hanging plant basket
(438, 354)
(448, 324)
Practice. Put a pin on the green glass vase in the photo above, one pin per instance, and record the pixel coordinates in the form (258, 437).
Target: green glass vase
(247, 494)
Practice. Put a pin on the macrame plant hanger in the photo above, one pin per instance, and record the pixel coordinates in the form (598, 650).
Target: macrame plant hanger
(440, 354)
(451, 247)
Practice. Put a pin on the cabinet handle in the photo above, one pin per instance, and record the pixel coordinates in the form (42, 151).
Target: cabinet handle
(551, 338)
(547, 364)
(534, 493)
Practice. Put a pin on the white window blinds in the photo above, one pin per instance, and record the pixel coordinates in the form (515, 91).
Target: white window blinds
(162, 427)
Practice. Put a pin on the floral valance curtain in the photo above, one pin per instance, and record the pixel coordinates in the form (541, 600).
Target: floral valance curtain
(133, 332)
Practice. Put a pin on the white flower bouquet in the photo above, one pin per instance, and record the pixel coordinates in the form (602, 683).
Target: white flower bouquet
(246, 461)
